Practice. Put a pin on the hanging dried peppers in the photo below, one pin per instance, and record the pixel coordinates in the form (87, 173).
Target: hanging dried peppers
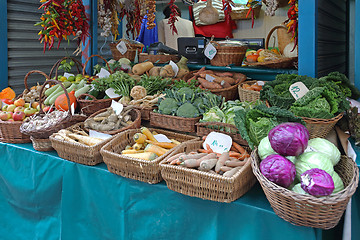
(292, 21)
(151, 9)
(173, 16)
(61, 19)
(131, 10)
(251, 4)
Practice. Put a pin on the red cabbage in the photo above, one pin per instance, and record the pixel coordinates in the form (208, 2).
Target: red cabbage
(317, 182)
(278, 170)
(289, 139)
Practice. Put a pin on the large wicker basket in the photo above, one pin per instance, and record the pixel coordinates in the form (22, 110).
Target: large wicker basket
(135, 118)
(76, 152)
(205, 185)
(241, 13)
(204, 128)
(228, 55)
(132, 50)
(158, 58)
(307, 210)
(134, 168)
(246, 95)
(321, 127)
(176, 123)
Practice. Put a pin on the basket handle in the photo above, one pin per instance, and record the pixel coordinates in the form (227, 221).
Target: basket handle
(31, 72)
(57, 65)
(86, 95)
(95, 55)
(42, 91)
(270, 33)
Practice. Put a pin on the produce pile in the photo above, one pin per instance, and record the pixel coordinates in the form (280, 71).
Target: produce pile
(291, 160)
(77, 136)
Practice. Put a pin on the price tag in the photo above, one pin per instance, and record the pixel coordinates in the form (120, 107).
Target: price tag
(72, 109)
(209, 78)
(298, 90)
(218, 142)
(350, 151)
(103, 73)
(67, 75)
(210, 51)
(96, 134)
(260, 83)
(118, 107)
(122, 47)
(162, 138)
(111, 93)
(174, 67)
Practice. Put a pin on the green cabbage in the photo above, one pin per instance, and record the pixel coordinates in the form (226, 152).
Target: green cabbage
(213, 115)
(309, 160)
(326, 147)
(338, 183)
(265, 149)
(298, 189)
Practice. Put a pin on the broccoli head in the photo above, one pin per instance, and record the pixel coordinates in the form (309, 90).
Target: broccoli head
(168, 106)
(186, 93)
(187, 110)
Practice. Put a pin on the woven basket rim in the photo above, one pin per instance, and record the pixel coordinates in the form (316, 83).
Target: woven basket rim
(347, 192)
(273, 63)
(175, 117)
(322, 120)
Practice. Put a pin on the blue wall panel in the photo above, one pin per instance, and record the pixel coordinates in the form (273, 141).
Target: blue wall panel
(3, 46)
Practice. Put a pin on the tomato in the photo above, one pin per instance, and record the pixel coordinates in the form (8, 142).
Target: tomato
(252, 58)
(7, 101)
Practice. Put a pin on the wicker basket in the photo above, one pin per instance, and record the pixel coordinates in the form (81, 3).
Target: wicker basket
(134, 168)
(204, 128)
(145, 111)
(176, 123)
(321, 127)
(307, 210)
(76, 152)
(248, 95)
(42, 145)
(69, 120)
(131, 50)
(158, 58)
(206, 185)
(135, 117)
(228, 55)
(56, 66)
(241, 14)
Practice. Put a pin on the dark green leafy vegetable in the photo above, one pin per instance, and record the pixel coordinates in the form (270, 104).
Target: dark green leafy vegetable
(120, 81)
(154, 84)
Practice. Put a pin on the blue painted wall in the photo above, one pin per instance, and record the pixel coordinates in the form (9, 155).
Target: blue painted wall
(3, 46)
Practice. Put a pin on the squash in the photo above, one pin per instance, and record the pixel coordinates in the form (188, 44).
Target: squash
(61, 103)
(144, 155)
(155, 71)
(155, 149)
(167, 71)
(7, 93)
(141, 68)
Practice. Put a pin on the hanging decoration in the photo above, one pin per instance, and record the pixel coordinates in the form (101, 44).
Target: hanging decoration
(108, 18)
(151, 9)
(173, 16)
(61, 19)
(292, 21)
(228, 4)
(251, 4)
(273, 5)
(132, 11)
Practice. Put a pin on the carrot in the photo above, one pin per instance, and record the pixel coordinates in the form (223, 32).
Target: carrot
(225, 168)
(139, 137)
(155, 149)
(238, 147)
(175, 162)
(231, 172)
(255, 87)
(175, 141)
(129, 151)
(209, 148)
(235, 163)
(208, 164)
(191, 156)
(234, 154)
(176, 156)
(202, 150)
(167, 145)
(204, 137)
(223, 157)
(148, 134)
(209, 85)
(233, 149)
(224, 74)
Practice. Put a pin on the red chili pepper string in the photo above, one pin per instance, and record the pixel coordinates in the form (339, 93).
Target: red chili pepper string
(292, 21)
(173, 16)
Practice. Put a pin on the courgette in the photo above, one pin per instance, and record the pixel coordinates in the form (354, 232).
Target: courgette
(82, 90)
(51, 90)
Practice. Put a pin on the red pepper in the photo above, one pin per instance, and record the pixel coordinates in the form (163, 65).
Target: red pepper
(7, 101)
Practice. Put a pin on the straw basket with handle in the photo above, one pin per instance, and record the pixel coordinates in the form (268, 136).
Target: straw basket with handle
(92, 105)
(10, 131)
(40, 136)
(227, 53)
(307, 210)
(283, 40)
(58, 63)
(132, 50)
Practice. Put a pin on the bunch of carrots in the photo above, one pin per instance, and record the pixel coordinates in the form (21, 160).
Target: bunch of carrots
(226, 164)
(254, 87)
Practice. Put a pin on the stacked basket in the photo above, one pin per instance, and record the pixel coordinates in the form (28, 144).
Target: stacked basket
(132, 50)
(228, 53)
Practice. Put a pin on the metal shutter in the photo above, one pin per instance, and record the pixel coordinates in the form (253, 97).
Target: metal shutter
(333, 38)
(25, 53)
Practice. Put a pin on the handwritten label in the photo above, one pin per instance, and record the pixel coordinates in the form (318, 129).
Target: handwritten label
(298, 90)
(210, 51)
(100, 135)
(122, 47)
(103, 73)
(260, 83)
(174, 67)
(111, 93)
(209, 78)
(162, 138)
(117, 107)
(218, 142)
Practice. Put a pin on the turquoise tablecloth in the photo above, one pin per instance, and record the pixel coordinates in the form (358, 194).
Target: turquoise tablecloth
(45, 197)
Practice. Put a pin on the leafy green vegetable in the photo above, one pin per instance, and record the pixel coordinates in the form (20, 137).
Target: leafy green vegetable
(154, 84)
(187, 110)
(214, 114)
(348, 89)
(168, 106)
(120, 81)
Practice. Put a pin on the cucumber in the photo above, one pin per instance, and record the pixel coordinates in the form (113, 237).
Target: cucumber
(53, 98)
(51, 90)
(82, 90)
(58, 90)
(81, 84)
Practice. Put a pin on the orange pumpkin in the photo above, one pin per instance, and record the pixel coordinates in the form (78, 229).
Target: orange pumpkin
(7, 93)
(61, 102)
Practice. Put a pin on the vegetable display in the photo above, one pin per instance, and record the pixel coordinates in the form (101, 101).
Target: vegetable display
(77, 136)
(317, 182)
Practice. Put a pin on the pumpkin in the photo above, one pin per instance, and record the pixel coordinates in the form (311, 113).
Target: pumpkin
(61, 102)
(7, 93)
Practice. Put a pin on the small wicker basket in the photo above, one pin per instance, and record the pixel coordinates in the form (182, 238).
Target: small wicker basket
(135, 118)
(42, 145)
(130, 54)
(134, 168)
(76, 152)
(248, 95)
(241, 14)
(145, 111)
(176, 123)
(321, 127)
(205, 185)
(204, 128)
(307, 210)
(228, 55)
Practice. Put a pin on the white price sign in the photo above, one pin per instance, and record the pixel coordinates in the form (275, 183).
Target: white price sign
(122, 47)
(209, 78)
(218, 142)
(210, 51)
(298, 90)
